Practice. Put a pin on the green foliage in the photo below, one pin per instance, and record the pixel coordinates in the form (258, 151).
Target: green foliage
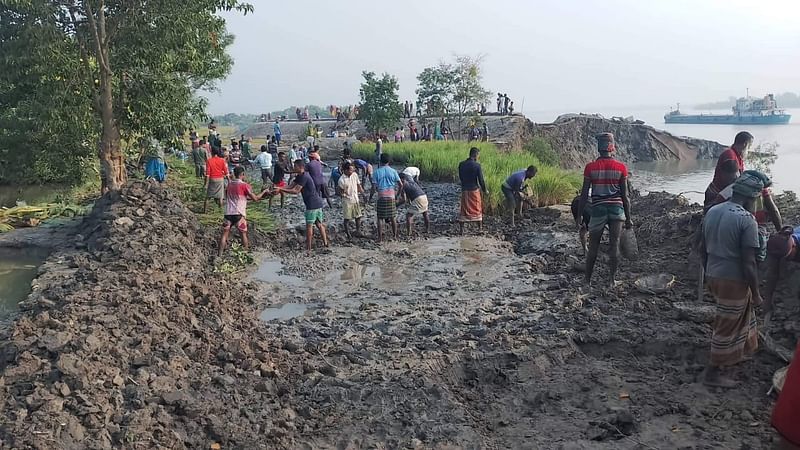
(763, 157)
(452, 88)
(380, 104)
(438, 161)
(543, 151)
(155, 56)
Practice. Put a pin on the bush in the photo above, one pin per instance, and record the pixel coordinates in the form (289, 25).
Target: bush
(438, 161)
(543, 151)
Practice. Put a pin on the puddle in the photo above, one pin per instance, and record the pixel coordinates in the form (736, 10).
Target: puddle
(269, 271)
(284, 312)
(18, 268)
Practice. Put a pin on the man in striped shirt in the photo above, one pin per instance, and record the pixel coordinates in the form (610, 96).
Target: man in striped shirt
(608, 180)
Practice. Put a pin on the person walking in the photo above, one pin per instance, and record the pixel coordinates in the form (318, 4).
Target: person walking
(470, 174)
(730, 235)
(608, 180)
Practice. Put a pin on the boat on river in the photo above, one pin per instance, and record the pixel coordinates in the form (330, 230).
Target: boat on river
(747, 111)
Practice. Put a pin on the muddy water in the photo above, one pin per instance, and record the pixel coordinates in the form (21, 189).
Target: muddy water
(17, 269)
(348, 277)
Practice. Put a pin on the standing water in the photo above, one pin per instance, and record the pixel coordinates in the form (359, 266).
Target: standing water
(17, 269)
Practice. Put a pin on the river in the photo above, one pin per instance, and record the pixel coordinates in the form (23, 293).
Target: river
(687, 176)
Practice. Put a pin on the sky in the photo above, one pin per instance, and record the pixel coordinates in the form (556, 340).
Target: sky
(565, 56)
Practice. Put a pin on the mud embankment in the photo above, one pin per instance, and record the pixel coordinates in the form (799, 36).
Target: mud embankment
(489, 341)
(571, 136)
(128, 341)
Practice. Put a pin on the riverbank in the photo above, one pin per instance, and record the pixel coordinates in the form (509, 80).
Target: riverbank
(481, 341)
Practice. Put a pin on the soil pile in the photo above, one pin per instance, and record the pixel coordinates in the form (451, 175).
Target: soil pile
(131, 343)
(573, 137)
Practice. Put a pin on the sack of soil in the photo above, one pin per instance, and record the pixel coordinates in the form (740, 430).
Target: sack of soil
(628, 245)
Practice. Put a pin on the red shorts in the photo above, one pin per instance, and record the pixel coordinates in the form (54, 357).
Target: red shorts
(786, 416)
(235, 221)
(281, 183)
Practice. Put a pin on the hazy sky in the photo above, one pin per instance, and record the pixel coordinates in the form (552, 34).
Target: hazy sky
(558, 55)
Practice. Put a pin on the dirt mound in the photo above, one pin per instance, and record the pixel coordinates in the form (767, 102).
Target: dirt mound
(131, 342)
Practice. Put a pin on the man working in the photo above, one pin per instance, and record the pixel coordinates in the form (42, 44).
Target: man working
(303, 184)
(782, 249)
(314, 168)
(281, 168)
(264, 163)
(350, 186)
(417, 201)
(731, 243)
(366, 171)
(216, 172)
(512, 190)
(413, 172)
(608, 180)
(236, 195)
(386, 182)
(470, 174)
(764, 210)
(729, 166)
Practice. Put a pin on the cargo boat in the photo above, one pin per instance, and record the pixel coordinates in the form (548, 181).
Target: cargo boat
(747, 111)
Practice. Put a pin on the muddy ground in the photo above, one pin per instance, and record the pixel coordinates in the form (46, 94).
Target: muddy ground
(483, 341)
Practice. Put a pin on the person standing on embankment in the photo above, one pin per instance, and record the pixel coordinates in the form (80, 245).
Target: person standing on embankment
(730, 235)
(470, 174)
(276, 131)
(608, 180)
(216, 172)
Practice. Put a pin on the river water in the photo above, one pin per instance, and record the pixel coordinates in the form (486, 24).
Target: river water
(687, 176)
(17, 269)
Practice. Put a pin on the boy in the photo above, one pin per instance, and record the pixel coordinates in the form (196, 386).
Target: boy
(512, 189)
(280, 169)
(236, 195)
(304, 185)
(350, 186)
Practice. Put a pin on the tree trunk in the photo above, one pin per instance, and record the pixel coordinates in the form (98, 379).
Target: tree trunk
(112, 161)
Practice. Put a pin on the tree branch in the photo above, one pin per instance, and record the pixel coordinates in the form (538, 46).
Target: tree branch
(98, 43)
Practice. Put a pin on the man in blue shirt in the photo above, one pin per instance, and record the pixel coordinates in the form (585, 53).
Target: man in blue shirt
(512, 189)
(387, 183)
(276, 130)
(303, 184)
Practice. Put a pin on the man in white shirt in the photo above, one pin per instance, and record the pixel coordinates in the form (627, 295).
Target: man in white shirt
(264, 162)
(350, 186)
(413, 172)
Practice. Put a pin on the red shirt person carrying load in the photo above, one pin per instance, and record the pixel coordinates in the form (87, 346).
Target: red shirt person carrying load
(729, 166)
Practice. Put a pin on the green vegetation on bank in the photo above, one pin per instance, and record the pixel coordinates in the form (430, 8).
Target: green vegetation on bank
(190, 190)
(439, 161)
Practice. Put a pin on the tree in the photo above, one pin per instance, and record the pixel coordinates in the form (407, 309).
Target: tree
(380, 104)
(133, 65)
(453, 88)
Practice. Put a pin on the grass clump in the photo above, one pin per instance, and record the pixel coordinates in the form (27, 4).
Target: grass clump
(190, 190)
(438, 161)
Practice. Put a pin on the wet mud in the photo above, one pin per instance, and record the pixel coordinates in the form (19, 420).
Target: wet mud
(488, 340)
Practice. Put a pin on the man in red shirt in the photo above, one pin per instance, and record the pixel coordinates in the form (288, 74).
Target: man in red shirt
(608, 180)
(729, 166)
(216, 172)
(237, 193)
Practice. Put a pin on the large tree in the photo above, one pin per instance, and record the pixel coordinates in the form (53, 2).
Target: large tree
(131, 67)
(453, 88)
(380, 104)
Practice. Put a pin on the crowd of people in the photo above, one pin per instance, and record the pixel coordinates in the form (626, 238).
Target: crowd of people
(735, 239)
